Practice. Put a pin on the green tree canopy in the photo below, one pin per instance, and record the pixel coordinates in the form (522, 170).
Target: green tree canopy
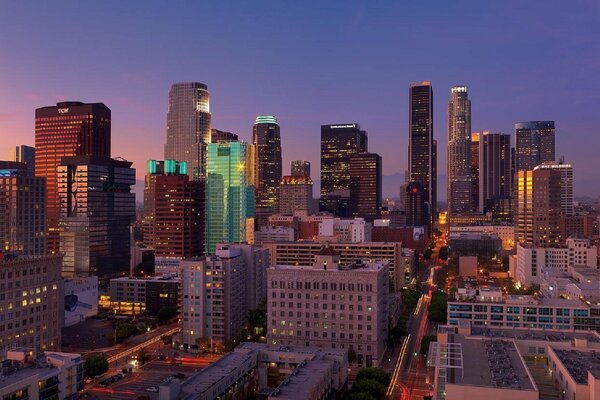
(377, 374)
(95, 365)
(166, 313)
(370, 386)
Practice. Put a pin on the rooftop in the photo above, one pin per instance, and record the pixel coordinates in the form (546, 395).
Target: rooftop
(578, 363)
(490, 363)
(532, 334)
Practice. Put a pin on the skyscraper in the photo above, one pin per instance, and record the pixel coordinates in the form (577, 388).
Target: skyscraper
(495, 168)
(422, 153)
(266, 139)
(566, 184)
(23, 210)
(67, 129)
(338, 143)
(188, 126)
(173, 211)
(25, 154)
(534, 144)
(417, 212)
(229, 193)
(459, 152)
(365, 185)
(538, 207)
(300, 168)
(97, 209)
(217, 136)
(475, 145)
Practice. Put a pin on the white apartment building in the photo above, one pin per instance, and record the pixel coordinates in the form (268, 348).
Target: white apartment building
(531, 261)
(330, 305)
(355, 230)
(219, 290)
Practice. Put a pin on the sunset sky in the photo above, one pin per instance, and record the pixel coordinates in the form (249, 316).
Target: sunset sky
(308, 63)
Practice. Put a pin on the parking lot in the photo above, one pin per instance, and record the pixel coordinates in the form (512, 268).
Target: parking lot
(152, 374)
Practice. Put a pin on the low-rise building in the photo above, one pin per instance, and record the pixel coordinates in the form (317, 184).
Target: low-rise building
(505, 232)
(330, 305)
(51, 375)
(270, 233)
(268, 372)
(144, 296)
(355, 230)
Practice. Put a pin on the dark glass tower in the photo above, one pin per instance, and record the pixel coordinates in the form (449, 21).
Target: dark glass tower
(300, 168)
(65, 130)
(338, 143)
(266, 139)
(365, 186)
(534, 144)
(188, 126)
(495, 168)
(97, 208)
(422, 153)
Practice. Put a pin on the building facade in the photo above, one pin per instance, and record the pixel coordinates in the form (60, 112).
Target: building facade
(67, 129)
(338, 143)
(295, 194)
(566, 184)
(23, 204)
(534, 144)
(25, 154)
(266, 139)
(459, 152)
(365, 185)
(97, 208)
(495, 180)
(422, 156)
(218, 136)
(330, 305)
(32, 303)
(229, 193)
(300, 168)
(188, 126)
(174, 217)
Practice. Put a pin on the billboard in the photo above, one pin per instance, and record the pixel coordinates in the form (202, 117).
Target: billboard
(418, 233)
(81, 299)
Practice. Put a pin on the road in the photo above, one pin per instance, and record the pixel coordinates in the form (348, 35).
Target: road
(409, 377)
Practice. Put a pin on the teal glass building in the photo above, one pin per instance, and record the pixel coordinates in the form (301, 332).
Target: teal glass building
(229, 193)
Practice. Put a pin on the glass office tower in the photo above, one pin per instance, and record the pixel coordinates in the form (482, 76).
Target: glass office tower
(188, 126)
(229, 193)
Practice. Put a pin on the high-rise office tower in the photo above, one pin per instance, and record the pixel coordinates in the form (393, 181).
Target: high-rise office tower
(566, 184)
(538, 206)
(459, 152)
(295, 194)
(188, 126)
(266, 139)
(97, 208)
(217, 136)
(23, 210)
(25, 154)
(422, 153)
(417, 212)
(338, 143)
(65, 130)
(300, 168)
(229, 193)
(173, 211)
(475, 138)
(495, 168)
(365, 185)
(534, 144)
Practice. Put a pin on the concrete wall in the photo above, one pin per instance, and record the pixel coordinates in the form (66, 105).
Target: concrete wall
(464, 392)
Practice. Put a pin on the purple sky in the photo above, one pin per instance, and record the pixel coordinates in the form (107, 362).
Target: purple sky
(308, 63)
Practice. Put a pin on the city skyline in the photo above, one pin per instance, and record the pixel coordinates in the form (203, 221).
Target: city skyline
(503, 89)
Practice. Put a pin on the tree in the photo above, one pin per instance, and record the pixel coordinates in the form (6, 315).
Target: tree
(444, 253)
(203, 343)
(427, 255)
(360, 396)
(370, 386)
(166, 313)
(425, 343)
(95, 365)
(376, 374)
